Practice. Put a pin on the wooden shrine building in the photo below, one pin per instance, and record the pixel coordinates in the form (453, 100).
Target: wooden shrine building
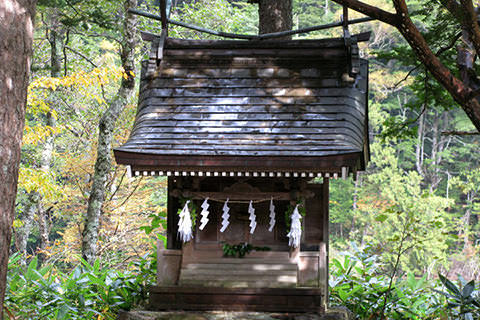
(255, 122)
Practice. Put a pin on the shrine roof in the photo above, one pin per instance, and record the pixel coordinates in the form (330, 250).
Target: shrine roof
(215, 105)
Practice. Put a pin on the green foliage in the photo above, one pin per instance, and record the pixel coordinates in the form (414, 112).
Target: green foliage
(240, 250)
(85, 292)
(341, 209)
(219, 15)
(357, 283)
(307, 13)
(394, 200)
(397, 200)
(191, 207)
(461, 301)
(289, 212)
(157, 220)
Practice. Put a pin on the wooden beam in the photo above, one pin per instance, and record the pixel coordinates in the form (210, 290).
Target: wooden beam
(144, 161)
(247, 36)
(236, 196)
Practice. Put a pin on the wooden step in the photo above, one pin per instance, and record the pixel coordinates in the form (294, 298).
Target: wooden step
(237, 284)
(243, 261)
(240, 273)
(260, 267)
(237, 274)
(216, 253)
(262, 299)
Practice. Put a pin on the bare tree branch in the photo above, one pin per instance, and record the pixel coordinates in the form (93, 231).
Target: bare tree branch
(82, 55)
(460, 133)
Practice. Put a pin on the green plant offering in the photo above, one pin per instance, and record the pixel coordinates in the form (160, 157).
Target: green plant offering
(240, 250)
(288, 213)
(191, 207)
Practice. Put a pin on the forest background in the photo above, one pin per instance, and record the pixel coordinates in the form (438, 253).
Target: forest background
(412, 215)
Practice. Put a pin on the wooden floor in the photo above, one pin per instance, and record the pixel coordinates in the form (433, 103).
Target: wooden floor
(236, 299)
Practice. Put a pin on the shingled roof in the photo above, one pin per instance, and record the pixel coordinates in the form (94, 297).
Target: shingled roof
(245, 106)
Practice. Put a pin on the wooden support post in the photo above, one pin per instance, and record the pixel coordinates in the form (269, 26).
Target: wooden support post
(168, 265)
(163, 14)
(345, 17)
(323, 250)
(323, 272)
(161, 45)
(172, 217)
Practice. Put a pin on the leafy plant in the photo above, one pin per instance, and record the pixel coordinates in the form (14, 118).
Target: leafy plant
(156, 220)
(240, 250)
(462, 300)
(86, 292)
(288, 213)
(357, 282)
(191, 207)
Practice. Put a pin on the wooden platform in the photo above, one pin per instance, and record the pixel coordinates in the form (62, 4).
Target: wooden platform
(236, 299)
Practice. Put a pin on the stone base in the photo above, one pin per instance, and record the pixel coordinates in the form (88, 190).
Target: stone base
(224, 315)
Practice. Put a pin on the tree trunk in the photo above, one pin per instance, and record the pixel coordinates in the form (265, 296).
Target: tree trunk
(43, 230)
(103, 163)
(56, 37)
(45, 163)
(16, 30)
(275, 16)
(356, 187)
(34, 205)
(466, 222)
(22, 233)
(420, 144)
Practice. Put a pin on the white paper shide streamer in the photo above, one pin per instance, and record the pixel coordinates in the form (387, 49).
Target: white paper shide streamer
(185, 224)
(272, 216)
(225, 216)
(295, 229)
(252, 217)
(204, 214)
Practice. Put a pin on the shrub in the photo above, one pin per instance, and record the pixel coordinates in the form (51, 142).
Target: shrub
(357, 282)
(86, 292)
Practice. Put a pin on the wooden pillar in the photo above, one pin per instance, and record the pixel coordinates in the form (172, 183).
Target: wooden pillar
(168, 265)
(172, 217)
(323, 249)
(313, 261)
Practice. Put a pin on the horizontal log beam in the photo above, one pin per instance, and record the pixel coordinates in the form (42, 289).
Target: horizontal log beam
(247, 36)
